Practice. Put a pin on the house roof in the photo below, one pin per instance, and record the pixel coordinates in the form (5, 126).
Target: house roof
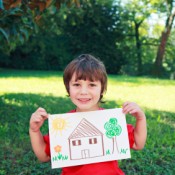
(85, 129)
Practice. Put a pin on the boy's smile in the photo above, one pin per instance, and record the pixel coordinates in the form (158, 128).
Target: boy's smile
(84, 100)
(85, 94)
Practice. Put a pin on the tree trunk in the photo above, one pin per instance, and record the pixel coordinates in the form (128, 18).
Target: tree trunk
(115, 146)
(158, 64)
(157, 71)
(138, 47)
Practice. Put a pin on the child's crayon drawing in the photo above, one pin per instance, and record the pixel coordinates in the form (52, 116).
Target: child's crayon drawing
(88, 137)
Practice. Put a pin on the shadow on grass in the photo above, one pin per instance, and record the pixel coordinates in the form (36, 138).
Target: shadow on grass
(17, 157)
(157, 156)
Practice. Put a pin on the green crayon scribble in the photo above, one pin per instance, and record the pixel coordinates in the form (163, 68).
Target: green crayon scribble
(108, 152)
(113, 129)
(60, 157)
(123, 151)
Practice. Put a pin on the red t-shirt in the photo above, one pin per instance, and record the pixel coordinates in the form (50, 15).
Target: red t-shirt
(102, 168)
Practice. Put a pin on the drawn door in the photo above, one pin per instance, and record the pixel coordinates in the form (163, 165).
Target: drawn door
(85, 153)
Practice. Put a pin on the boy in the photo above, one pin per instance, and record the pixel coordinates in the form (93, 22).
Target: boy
(85, 80)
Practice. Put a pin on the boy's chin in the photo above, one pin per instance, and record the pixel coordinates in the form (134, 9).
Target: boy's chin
(86, 109)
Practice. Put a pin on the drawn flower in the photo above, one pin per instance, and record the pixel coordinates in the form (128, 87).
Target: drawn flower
(57, 148)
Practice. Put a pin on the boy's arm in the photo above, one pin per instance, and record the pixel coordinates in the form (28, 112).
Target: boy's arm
(36, 121)
(38, 145)
(140, 133)
(140, 130)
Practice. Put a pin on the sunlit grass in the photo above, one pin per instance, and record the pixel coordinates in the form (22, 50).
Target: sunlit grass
(147, 92)
(150, 95)
(32, 82)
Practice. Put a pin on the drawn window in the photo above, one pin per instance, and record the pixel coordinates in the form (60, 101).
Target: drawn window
(93, 141)
(76, 142)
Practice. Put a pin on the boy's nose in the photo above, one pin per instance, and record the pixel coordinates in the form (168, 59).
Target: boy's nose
(84, 90)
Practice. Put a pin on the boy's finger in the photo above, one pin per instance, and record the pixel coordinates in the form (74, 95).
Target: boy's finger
(40, 109)
(44, 117)
(126, 103)
(132, 111)
(43, 113)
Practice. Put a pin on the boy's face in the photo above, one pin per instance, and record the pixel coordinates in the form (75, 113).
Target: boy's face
(85, 94)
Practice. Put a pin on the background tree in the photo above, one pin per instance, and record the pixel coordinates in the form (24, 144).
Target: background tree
(94, 28)
(19, 18)
(170, 15)
(136, 12)
(47, 34)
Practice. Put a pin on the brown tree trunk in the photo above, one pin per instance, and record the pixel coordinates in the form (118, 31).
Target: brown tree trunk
(138, 47)
(160, 54)
(157, 68)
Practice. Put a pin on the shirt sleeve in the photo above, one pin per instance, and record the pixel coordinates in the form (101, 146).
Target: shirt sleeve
(131, 134)
(47, 141)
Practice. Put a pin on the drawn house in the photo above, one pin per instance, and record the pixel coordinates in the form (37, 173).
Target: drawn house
(86, 141)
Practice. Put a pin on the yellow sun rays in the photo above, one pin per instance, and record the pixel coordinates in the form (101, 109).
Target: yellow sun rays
(59, 125)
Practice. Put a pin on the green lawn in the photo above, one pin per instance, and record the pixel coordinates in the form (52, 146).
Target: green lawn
(22, 92)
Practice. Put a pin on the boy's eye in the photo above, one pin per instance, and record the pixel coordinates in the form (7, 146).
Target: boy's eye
(76, 84)
(92, 84)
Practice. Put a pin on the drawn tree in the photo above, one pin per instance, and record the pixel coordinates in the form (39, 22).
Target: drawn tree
(113, 130)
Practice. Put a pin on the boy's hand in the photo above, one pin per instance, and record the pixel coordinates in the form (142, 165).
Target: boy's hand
(133, 109)
(37, 119)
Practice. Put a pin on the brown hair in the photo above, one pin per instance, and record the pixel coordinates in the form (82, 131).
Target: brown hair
(86, 67)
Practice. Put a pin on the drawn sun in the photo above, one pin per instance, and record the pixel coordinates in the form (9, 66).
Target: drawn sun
(59, 124)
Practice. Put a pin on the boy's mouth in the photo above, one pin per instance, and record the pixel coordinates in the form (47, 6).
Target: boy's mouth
(83, 100)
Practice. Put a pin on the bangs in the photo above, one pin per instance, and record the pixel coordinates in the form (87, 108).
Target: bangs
(88, 72)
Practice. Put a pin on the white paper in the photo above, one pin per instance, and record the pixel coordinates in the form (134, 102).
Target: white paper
(88, 137)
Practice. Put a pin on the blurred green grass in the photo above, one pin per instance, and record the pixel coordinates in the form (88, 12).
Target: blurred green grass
(22, 92)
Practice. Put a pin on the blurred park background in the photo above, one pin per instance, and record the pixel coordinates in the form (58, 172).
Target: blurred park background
(134, 38)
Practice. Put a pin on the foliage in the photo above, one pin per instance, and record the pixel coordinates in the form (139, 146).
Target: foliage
(141, 28)
(48, 53)
(135, 13)
(112, 128)
(170, 16)
(18, 19)
(15, 27)
(70, 32)
(22, 92)
(95, 30)
(47, 34)
(168, 62)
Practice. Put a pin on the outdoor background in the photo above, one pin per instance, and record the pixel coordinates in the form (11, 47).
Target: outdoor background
(135, 40)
